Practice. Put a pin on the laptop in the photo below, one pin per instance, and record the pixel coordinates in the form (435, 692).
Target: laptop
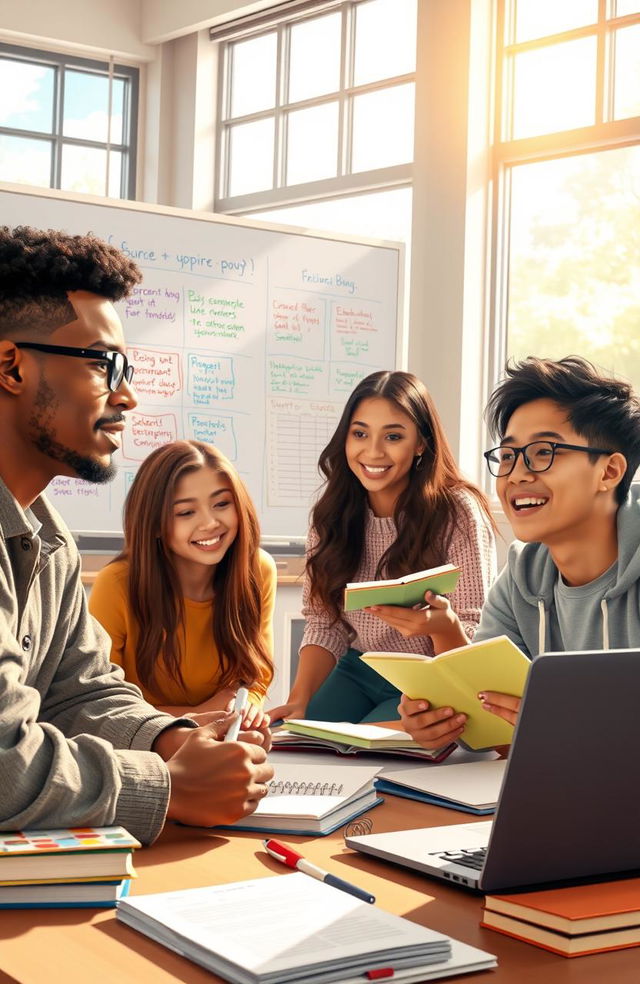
(569, 804)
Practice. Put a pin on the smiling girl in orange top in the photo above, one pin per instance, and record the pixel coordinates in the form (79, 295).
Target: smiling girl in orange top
(189, 601)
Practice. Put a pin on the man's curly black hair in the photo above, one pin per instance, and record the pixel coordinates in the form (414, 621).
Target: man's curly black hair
(38, 267)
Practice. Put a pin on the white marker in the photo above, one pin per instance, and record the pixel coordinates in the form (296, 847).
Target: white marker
(239, 705)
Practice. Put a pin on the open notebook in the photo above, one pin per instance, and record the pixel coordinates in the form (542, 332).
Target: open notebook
(315, 799)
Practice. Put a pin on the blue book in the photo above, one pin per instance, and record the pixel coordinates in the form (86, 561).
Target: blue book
(471, 787)
(395, 789)
(64, 895)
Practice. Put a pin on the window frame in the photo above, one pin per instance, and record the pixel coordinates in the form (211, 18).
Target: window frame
(55, 137)
(346, 182)
(604, 134)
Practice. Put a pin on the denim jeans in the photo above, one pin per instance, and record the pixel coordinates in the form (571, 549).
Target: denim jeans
(354, 692)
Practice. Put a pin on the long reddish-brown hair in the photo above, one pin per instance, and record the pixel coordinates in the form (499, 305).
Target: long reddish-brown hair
(425, 512)
(154, 587)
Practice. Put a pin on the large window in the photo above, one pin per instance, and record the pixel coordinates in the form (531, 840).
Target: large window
(316, 103)
(67, 123)
(567, 244)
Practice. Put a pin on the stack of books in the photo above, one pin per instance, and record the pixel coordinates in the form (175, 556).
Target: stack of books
(346, 738)
(572, 921)
(81, 867)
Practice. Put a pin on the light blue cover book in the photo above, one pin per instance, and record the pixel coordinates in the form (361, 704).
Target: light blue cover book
(65, 895)
(394, 789)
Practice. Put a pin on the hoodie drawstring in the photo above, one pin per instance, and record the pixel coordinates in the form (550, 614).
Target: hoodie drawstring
(541, 626)
(542, 619)
(605, 623)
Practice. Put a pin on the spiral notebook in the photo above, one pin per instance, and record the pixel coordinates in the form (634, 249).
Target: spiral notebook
(313, 799)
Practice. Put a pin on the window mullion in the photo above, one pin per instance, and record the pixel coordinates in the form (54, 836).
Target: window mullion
(229, 56)
(508, 25)
(98, 144)
(107, 175)
(604, 68)
(347, 59)
(281, 130)
(500, 263)
(223, 140)
(59, 111)
(126, 128)
(362, 183)
(503, 116)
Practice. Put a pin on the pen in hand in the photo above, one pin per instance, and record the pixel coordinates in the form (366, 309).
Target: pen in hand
(285, 854)
(239, 705)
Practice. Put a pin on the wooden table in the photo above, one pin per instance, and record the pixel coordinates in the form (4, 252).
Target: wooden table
(88, 946)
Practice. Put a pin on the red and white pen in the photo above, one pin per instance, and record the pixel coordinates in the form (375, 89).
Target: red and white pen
(294, 860)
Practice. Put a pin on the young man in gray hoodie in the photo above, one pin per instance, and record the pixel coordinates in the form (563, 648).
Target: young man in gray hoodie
(568, 449)
(78, 744)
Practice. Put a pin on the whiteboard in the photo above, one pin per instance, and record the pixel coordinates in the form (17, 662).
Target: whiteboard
(244, 335)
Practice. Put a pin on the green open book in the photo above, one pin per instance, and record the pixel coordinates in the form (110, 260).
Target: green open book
(347, 738)
(404, 591)
(455, 678)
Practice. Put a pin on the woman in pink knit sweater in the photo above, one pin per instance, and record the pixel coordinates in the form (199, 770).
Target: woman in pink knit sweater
(394, 502)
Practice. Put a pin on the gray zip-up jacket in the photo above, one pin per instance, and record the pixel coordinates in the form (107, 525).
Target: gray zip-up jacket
(523, 601)
(74, 736)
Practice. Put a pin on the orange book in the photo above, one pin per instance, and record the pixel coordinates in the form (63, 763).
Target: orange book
(562, 943)
(572, 921)
(576, 909)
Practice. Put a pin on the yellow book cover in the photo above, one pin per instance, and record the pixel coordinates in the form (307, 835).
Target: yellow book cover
(455, 679)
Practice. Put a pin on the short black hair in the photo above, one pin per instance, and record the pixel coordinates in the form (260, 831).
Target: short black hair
(602, 409)
(38, 267)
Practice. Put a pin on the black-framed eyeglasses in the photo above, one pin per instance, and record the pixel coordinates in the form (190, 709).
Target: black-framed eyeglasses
(537, 455)
(118, 367)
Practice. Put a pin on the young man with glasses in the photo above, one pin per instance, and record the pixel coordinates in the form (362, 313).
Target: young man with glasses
(79, 745)
(568, 449)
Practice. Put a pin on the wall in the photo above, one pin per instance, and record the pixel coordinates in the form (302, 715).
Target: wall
(164, 20)
(98, 28)
(450, 202)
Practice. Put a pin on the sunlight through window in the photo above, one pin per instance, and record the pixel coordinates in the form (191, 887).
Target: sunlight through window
(55, 128)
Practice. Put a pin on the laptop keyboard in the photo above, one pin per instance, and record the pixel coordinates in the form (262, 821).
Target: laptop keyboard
(471, 858)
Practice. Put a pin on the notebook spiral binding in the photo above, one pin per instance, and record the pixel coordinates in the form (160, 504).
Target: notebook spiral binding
(362, 825)
(280, 788)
